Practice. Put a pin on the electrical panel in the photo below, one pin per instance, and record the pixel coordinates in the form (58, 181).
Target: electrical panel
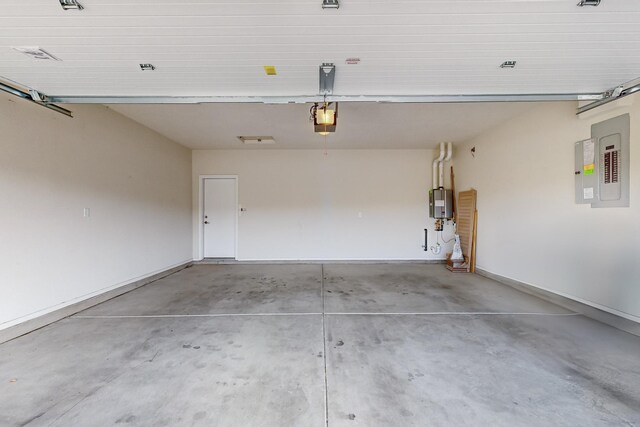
(610, 185)
(440, 204)
(602, 165)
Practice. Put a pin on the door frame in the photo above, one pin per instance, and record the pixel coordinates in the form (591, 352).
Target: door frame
(201, 179)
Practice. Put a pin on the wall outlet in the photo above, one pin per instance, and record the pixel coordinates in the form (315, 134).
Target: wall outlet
(86, 212)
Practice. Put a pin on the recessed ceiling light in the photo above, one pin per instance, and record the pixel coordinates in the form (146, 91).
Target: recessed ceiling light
(257, 140)
(35, 52)
(330, 4)
(71, 5)
(508, 64)
(147, 67)
(589, 3)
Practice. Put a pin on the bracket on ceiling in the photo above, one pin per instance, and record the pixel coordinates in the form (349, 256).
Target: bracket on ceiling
(588, 3)
(614, 94)
(35, 97)
(327, 77)
(71, 5)
(330, 4)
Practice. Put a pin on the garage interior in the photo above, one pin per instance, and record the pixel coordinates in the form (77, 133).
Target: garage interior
(248, 213)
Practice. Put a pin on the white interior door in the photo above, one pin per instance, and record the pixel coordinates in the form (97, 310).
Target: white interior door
(219, 217)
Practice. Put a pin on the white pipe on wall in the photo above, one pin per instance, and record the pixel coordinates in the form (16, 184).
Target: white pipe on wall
(436, 163)
(442, 162)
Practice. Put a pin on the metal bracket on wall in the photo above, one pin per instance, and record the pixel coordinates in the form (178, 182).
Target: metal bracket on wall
(614, 94)
(35, 97)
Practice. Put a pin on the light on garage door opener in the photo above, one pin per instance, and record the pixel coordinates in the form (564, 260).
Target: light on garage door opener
(324, 117)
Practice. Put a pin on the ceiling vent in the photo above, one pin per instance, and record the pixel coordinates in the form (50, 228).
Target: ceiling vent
(34, 52)
(257, 140)
(70, 5)
(589, 3)
(508, 64)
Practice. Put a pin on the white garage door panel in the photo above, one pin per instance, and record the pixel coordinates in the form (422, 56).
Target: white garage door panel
(407, 47)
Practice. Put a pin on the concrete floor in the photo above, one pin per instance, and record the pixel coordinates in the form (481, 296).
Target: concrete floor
(276, 345)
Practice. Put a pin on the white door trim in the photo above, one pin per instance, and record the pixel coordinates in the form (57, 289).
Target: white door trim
(201, 179)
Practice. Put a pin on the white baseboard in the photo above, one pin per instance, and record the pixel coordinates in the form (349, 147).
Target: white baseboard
(612, 317)
(39, 319)
(317, 261)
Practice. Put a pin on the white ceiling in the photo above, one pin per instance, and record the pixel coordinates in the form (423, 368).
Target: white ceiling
(360, 124)
(414, 47)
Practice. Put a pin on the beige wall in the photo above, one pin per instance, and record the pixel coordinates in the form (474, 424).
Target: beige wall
(305, 204)
(136, 183)
(142, 190)
(529, 227)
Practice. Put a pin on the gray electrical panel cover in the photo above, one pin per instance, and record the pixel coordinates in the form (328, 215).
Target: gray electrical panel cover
(602, 165)
(586, 171)
(612, 156)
